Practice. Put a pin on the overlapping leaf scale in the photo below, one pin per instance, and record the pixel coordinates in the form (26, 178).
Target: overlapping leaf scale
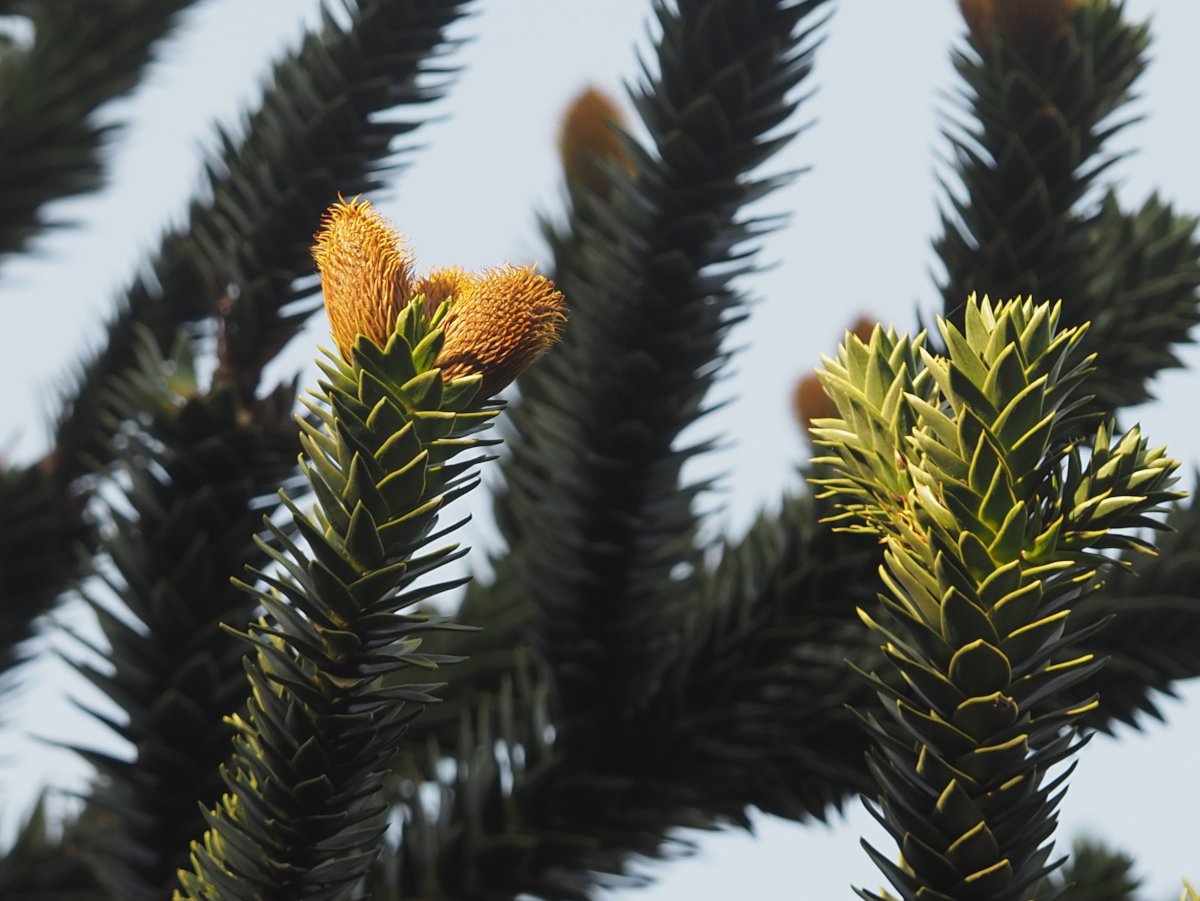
(243, 255)
(981, 563)
(1029, 151)
(759, 719)
(183, 527)
(42, 525)
(594, 510)
(328, 699)
(870, 383)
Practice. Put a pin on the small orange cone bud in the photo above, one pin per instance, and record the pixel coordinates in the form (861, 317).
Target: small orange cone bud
(862, 327)
(978, 14)
(1034, 26)
(1031, 26)
(440, 284)
(366, 273)
(587, 141)
(499, 324)
(809, 401)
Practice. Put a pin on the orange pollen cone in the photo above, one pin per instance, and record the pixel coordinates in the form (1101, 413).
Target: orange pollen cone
(366, 273)
(500, 323)
(588, 139)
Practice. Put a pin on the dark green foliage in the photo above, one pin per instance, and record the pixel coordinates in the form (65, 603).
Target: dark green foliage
(82, 55)
(753, 715)
(314, 135)
(757, 706)
(303, 818)
(598, 516)
(1153, 638)
(1094, 873)
(1142, 298)
(184, 528)
(595, 512)
(1029, 154)
(41, 865)
(474, 838)
(43, 521)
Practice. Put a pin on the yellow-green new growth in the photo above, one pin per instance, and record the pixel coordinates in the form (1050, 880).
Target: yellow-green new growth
(970, 466)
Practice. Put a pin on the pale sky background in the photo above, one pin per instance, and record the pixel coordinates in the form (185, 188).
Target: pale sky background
(858, 242)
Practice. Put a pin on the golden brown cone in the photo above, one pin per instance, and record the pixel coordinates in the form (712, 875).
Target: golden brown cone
(366, 273)
(500, 324)
(587, 141)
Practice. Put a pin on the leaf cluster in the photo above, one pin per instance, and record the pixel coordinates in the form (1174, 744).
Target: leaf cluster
(992, 524)
(327, 704)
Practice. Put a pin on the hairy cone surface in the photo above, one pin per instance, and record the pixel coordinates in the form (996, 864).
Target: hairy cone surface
(499, 322)
(366, 273)
(502, 322)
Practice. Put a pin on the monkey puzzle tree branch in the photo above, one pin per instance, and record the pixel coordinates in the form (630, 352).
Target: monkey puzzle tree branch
(243, 253)
(1044, 92)
(311, 748)
(1033, 149)
(197, 477)
(82, 55)
(595, 514)
(305, 816)
(993, 522)
(314, 132)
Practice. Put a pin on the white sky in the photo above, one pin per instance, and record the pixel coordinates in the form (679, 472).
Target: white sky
(469, 198)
